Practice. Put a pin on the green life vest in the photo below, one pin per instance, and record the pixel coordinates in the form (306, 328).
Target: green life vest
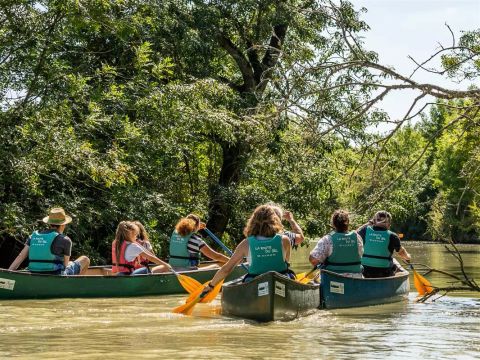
(345, 257)
(376, 253)
(40, 256)
(266, 255)
(179, 254)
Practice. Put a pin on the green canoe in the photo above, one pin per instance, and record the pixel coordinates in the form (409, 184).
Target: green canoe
(25, 285)
(269, 297)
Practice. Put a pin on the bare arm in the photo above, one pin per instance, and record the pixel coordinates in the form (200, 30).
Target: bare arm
(286, 248)
(313, 260)
(404, 254)
(66, 260)
(321, 251)
(150, 257)
(19, 259)
(237, 257)
(295, 227)
(212, 254)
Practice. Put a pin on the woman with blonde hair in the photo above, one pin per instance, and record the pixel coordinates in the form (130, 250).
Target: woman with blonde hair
(186, 245)
(264, 247)
(128, 255)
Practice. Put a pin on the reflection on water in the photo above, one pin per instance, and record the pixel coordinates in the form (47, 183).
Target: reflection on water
(145, 328)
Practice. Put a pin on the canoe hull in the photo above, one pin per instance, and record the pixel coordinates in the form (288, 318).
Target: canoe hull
(338, 291)
(24, 285)
(269, 297)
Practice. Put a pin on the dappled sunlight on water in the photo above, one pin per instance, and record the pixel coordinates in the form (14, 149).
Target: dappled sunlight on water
(146, 328)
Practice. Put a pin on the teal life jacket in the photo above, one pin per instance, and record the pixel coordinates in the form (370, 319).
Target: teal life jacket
(40, 256)
(179, 254)
(266, 255)
(345, 257)
(376, 253)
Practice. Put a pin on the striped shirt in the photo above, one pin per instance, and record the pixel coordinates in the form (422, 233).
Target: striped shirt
(291, 236)
(195, 243)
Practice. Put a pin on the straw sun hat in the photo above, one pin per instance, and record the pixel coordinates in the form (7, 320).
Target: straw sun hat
(57, 216)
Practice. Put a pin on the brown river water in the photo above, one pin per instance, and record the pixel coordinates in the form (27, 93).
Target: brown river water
(125, 328)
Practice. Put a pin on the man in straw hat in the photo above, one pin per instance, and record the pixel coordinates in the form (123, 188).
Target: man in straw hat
(379, 245)
(49, 251)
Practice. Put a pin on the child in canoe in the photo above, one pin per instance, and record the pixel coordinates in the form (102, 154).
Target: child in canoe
(128, 255)
(186, 245)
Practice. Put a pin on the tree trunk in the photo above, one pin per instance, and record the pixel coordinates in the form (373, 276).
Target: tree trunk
(221, 194)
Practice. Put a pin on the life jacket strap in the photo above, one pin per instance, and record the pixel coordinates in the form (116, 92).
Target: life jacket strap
(127, 266)
(184, 257)
(46, 261)
(342, 263)
(378, 257)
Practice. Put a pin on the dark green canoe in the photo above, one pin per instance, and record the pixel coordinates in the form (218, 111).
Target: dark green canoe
(269, 297)
(338, 291)
(24, 285)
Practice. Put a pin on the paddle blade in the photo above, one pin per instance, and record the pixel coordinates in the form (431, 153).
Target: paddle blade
(422, 285)
(196, 293)
(300, 276)
(304, 278)
(307, 279)
(189, 284)
(187, 308)
(212, 294)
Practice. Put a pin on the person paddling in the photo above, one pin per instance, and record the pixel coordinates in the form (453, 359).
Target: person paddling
(341, 250)
(128, 255)
(380, 243)
(186, 246)
(265, 248)
(49, 251)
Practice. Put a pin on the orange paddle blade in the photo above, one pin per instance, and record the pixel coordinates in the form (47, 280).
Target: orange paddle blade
(188, 283)
(207, 298)
(212, 294)
(304, 278)
(300, 276)
(187, 308)
(422, 285)
(196, 293)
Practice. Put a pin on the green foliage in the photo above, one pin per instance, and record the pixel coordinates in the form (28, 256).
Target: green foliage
(454, 172)
(136, 109)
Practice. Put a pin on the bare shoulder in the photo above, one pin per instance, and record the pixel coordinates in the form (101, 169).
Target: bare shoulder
(243, 245)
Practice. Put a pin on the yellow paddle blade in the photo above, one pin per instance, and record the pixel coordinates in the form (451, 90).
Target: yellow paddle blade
(422, 285)
(187, 308)
(304, 278)
(307, 279)
(300, 276)
(196, 293)
(188, 283)
(207, 298)
(212, 294)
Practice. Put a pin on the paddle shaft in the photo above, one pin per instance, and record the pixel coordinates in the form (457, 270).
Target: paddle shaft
(222, 245)
(218, 241)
